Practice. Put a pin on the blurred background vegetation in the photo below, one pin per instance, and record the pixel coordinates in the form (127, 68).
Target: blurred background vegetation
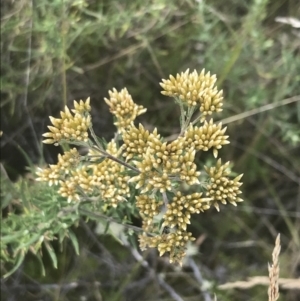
(53, 52)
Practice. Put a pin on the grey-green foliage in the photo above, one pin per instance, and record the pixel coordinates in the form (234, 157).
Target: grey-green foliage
(41, 41)
(36, 215)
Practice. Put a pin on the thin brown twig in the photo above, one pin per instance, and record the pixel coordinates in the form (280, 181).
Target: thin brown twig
(139, 258)
(261, 109)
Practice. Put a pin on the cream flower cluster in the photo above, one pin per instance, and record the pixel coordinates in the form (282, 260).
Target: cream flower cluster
(70, 127)
(221, 188)
(194, 90)
(109, 179)
(123, 108)
(66, 162)
(208, 136)
(173, 243)
(161, 161)
(139, 167)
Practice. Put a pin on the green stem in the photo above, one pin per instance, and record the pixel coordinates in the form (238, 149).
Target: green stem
(182, 113)
(196, 119)
(109, 156)
(94, 215)
(186, 122)
(189, 116)
(100, 149)
(95, 137)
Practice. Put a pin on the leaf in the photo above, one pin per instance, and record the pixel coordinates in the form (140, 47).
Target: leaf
(106, 227)
(23, 195)
(41, 263)
(52, 254)
(12, 237)
(29, 242)
(27, 158)
(74, 241)
(19, 262)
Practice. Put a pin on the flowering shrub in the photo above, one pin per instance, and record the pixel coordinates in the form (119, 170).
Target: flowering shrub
(141, 168)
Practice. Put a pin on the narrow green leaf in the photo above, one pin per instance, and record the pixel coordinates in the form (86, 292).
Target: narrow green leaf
(27, 158)
(41, 264)
(19, 262)
(74, 241)
(52, 254)
(106, 227)
(34, 238)
(12, 237)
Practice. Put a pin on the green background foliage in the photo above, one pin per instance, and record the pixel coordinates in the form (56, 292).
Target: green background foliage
(55, 51)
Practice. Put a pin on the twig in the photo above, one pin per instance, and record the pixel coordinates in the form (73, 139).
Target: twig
(199, 278)
(284, 170)
(168, 288)
(159, 278)
(267, 211)
(264, 108)
(95, 137)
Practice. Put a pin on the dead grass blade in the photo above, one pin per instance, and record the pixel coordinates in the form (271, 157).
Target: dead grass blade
(273, 291)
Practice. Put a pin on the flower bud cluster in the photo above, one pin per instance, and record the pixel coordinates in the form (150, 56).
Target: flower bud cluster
(81, 107)
(123, 108)
(173, 243)
(109, 179)
(194, 89)
(221, 188)
(163, 161)
(70, 127)
(176, 218)
(79, 180)
(136, 141)
(179, 211)
(65, 163)
(209, 135)
(149, 207)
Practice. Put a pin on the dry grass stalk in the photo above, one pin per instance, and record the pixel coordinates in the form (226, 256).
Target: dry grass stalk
(273, 291)
(284, 283)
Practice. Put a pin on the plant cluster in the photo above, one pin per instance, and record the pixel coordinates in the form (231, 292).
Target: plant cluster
(140, 162)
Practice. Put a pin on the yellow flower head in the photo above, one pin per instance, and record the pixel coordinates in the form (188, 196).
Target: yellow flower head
(122, 106)
(221, 188)
(70, 127)
(194, 89)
